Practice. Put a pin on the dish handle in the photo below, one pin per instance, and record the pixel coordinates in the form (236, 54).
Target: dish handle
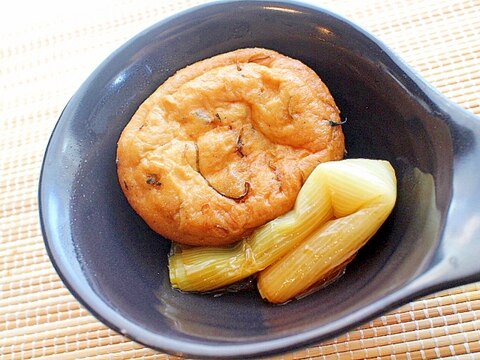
(457, 258)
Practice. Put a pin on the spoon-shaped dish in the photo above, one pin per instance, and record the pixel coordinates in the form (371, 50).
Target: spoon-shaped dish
(117, 268)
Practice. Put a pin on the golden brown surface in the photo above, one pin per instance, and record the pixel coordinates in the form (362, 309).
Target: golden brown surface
(225, 144)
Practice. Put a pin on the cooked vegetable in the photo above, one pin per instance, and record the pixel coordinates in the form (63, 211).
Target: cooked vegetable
(341, 205)
(363, 195)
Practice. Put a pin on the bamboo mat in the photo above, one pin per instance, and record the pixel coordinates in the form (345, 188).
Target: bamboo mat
(49, 47)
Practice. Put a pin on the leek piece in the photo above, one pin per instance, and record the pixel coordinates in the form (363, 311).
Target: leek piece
(363, 196)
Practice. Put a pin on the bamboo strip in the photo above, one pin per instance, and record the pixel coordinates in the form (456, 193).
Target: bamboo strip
(42, 314)
(412, 50)
(30, 289)
(19, 207)
(455, 90)
(42, 271)
(110, 30)
(25, 139)
(105, 335)
(347, 344)
(440, 344)
(14, 308)
(72, 351)
(31, 118)
(24, 258)
(27, 68)
(466, 84)
(449, 70)
(450, 92)
(25, 236)
(425, 58)
(473, 107)
(54, 344)
(432, 46)
(412, 326)
(461, 349)
(432, 70)
(443, 299)
(25, 299)
(13, 246)
(464, 50)
(459, 290)
(439, 310)
(28, 219)
(58, 328)
(34, 280)
(17, 111)
(426, 313)
(470, 354)
(24, 204)
(297, 356)
(427, 23)
(23, 176)
(38, 276)
(410, 337)
(143, 354)
(465, 98)
(18, 323)
(21, 273)
(93, 350)
(402, 12)
(462, 98)
(424, 308)
(28, 136)
(38, 142)
(21, 259)
(441, 305)
(437, 35)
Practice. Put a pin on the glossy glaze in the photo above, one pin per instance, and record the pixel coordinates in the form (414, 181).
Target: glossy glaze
(116, 266)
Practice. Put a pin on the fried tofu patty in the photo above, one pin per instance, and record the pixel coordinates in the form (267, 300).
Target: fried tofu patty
(224, 145)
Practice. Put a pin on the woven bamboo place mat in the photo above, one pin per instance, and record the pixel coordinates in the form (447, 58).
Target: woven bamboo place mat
(48, 48)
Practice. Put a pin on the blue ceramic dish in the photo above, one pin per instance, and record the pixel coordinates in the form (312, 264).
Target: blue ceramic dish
(117, 268)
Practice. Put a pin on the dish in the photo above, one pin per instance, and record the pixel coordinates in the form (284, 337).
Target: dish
(108, 259)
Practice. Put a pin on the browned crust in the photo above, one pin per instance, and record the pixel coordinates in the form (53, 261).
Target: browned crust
(225, 144)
